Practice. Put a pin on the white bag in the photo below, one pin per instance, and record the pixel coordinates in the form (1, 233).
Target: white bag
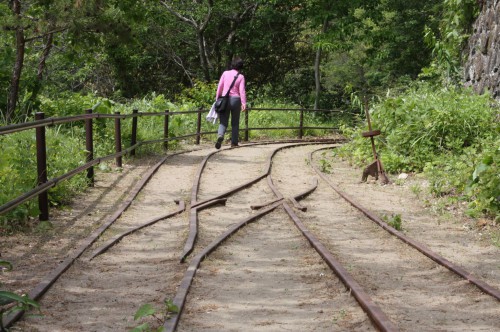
(212, 115)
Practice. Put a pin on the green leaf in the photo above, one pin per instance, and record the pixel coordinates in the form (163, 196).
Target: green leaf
(145, 310)
(488, 160)
(479, 169)
(171, 307)
(141, 328)
(23, 300)
(5, 300)
(11, 296)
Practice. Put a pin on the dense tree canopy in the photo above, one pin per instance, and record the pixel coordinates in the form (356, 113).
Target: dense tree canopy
(310, 52)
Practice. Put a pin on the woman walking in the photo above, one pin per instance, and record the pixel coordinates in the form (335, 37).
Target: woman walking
(237, 102)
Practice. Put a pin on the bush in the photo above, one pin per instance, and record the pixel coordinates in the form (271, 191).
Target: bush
(449, 134)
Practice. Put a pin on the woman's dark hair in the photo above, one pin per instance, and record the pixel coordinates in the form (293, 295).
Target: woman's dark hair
(237, 64)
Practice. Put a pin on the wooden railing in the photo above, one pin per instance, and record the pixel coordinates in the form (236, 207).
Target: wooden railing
(40, 124)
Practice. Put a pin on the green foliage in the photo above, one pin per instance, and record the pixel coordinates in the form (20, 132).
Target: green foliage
(200, 95)
(450, 134)
(472, 176)
(275, 119)
(447, 39)
(325, 165)
(68, 103)
(147, 310)
(11, 302)
(484, 185)
(18, 170)
(17, 174)
(394, 221)
(376, 45)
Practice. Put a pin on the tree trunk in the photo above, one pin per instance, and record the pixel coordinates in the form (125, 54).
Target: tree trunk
(203, 56)
(317, 67)
(18, 65)
(45, 55)
(317, 78)
(39, 75)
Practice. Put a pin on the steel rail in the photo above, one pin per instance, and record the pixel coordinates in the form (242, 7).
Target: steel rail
(38, 291)
(294, 198)
(485, 287)
(193, 212)
(180, 298)
(41, 288)
(111, 242)
(373, 311)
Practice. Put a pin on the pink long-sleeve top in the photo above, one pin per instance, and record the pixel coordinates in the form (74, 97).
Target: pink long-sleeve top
(238, 89)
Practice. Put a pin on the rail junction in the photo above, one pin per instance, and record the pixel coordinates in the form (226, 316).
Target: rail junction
(257, 237)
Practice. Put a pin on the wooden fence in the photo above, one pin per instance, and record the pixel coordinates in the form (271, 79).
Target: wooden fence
(40, 123)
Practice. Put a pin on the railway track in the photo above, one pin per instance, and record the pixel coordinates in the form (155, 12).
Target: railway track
(266, 242)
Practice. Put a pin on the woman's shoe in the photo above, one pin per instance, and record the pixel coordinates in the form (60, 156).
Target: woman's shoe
(234, 145)
(219, 142)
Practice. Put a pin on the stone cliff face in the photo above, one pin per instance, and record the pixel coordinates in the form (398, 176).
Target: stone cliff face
(482, 69)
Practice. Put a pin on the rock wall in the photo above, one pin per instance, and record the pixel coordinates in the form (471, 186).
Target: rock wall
(482, 69)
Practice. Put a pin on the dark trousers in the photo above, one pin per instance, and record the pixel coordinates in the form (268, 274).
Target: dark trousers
(234, 111)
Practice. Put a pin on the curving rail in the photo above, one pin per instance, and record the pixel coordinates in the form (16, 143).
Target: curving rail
(488, 289)
(378, 317)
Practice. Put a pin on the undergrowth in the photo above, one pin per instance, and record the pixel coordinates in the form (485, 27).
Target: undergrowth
(66, 142)
(451, 135)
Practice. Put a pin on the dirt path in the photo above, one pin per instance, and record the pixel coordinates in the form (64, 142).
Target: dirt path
(266, 277)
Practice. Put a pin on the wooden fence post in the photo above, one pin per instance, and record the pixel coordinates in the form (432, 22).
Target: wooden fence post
(198, 127)
(301, 123)
(89, 146)
(118, 139)
(165, 130)
(133, 139)
(41, 158)
(246, 126)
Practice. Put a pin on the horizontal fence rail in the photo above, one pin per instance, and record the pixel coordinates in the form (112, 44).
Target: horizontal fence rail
(40, 124)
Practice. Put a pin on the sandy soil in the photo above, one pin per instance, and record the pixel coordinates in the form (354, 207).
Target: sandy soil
(266, 277)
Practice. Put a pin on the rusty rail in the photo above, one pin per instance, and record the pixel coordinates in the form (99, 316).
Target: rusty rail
(102, 249)
(488, 289)
(379, 318)
(373, 311)
(193, 212)
(180, 298)
(39, 290)
(50, 279)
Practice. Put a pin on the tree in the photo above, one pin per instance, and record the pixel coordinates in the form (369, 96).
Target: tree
(198, 15)
(19, 61)
(377, 45)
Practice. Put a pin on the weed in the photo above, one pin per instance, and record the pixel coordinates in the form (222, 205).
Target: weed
(495, 238)
(325, 166)
(399, 182)
(449, 135)
(11, 302)
(394, 221)
(340, 315)
(147, 310)
(416, 190)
